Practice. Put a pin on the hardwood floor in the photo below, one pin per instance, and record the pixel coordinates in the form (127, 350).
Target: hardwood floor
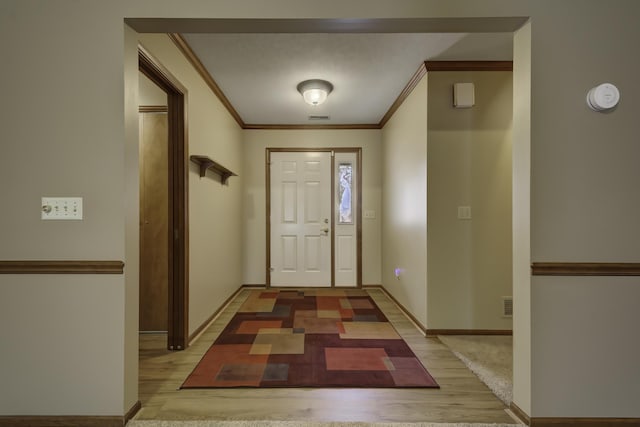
(461, 398)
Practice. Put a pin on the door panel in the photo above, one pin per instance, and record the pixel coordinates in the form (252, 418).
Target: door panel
(344, 254)
(289, 253)
(312, 198)
(154, 222)
(312, 253)
(289, 202)
(300, 186)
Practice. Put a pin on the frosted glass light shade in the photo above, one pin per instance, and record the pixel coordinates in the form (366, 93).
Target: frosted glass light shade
(315, 92)
(314, 96)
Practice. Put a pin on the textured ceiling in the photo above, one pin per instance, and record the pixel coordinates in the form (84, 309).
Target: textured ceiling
(258, 73)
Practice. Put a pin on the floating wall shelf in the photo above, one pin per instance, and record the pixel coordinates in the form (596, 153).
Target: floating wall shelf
(206, 163)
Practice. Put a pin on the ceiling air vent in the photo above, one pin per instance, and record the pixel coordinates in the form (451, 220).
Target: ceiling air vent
(507, 306)
(318, 117)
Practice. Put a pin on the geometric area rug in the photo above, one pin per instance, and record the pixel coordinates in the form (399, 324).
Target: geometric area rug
(271, 423)
(309, 338)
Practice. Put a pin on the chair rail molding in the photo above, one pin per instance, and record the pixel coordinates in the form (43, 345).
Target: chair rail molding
(61, 267)
(585, 269)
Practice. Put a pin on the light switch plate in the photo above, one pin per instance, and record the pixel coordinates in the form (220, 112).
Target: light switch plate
(464, 212)
(61, 208)
(369, 214)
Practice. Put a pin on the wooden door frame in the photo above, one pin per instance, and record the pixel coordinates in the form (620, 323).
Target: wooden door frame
(178, 323)
(358, 153)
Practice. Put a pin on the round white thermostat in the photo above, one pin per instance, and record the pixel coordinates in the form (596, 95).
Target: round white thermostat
(603, 97)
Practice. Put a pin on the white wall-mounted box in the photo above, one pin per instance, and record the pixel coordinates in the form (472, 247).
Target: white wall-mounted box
(464, 95)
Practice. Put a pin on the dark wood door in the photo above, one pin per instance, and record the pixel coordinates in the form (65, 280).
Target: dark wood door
(154, 222)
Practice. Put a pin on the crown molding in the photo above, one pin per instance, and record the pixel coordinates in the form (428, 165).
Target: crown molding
(413, 82)
(186, 50)
(425, 67)
(469, 65)
(507, 24)
(312, 127)
(193, 59)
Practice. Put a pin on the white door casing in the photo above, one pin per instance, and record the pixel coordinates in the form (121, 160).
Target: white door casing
(301, 219)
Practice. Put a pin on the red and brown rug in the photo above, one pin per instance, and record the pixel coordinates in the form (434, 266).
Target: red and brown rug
(310, 338)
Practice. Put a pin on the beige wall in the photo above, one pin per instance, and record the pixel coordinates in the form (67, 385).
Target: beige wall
(149, 92)
(132, 218)
(62, 354)
(215, 210)
(521, 218)
(254, 237)
(469, 164)
(585, 206)
(404, 207)
(584, 198)
(55, 329)
(570, 373)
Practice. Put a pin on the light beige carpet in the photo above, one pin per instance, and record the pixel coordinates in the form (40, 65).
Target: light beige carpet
(208, 423)
(489, 357)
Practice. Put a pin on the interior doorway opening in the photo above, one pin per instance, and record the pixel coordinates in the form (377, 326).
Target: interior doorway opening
(175, 233)
(154, 210)
(521, 134)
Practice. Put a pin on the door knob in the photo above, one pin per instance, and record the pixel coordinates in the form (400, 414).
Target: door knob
(325, 231)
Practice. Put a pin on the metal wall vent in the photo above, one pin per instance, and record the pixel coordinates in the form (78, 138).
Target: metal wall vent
(318, 117)
(507, 306)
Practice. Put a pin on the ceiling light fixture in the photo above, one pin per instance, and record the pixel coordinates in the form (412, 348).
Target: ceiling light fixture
(315, 91)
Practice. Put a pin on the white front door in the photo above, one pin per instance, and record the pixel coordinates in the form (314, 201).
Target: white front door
(301, 219)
